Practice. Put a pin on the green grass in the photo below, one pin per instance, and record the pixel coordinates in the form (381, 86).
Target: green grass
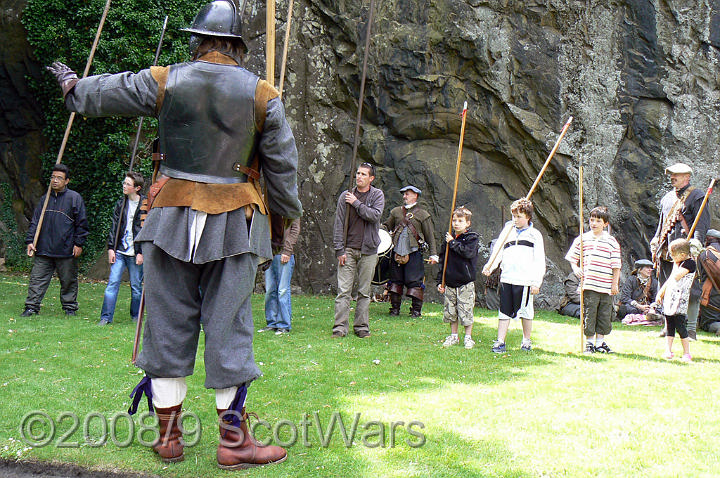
(551, 413)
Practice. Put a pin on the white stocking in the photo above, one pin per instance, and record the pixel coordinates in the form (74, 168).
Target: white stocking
(168, 392)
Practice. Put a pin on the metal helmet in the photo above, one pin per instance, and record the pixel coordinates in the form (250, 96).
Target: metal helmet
(218, 18)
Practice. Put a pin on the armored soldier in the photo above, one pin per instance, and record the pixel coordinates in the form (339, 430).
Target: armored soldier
(411, 228)
(208, 227)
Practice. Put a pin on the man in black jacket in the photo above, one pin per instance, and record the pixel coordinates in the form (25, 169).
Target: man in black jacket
(123, 251)
(63, 233)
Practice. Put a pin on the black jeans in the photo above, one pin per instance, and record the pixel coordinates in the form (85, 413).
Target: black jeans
(40, 276)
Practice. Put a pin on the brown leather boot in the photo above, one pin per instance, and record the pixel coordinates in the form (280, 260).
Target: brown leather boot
(238, 449)
(170, 444)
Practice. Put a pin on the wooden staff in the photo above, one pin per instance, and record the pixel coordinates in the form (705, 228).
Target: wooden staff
(455, 188)
(69, 125)
(137, 134)
(361, 100)
(285, 47)
(501, 240)
(702, 207)
(141, 310)
(270, 45)
(582, 259)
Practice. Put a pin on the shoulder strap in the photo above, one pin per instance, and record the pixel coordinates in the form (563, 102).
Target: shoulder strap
(160, 74)
(407, 222)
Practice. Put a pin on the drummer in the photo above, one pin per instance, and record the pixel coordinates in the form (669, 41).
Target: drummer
(411, 228)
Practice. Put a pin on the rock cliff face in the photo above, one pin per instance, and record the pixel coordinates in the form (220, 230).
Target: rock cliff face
(21, 119)
(639, 77)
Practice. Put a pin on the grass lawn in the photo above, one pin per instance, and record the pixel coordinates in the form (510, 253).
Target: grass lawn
(553, 412)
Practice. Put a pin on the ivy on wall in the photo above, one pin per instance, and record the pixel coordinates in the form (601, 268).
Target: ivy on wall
(99, 149)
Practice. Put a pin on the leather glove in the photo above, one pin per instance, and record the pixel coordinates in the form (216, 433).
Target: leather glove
(65, 77)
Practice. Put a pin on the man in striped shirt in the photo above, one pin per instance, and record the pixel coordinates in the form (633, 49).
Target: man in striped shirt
(600, 278)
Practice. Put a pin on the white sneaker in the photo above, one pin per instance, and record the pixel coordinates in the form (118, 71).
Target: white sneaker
(469, 342)
(451, 340)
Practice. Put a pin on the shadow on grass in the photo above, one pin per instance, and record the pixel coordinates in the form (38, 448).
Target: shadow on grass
(58, 364)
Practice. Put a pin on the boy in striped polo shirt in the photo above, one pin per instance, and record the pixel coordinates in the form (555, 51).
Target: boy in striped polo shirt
(601, 263)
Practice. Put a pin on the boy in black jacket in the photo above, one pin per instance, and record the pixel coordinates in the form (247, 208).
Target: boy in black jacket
(459, 281)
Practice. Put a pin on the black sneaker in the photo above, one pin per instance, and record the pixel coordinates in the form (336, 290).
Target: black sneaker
(29, 312)
(70, 313)
(590, 348)
(604, 349)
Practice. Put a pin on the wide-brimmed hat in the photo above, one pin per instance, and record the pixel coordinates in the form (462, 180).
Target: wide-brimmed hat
(678, 168)
(412, 188)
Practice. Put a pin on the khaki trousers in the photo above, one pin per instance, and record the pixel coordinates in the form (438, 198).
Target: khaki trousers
(361, 267)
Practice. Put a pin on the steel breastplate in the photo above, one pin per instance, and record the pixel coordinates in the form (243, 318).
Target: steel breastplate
(207, 122)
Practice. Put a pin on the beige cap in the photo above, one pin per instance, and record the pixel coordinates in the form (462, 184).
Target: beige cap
(678, 168)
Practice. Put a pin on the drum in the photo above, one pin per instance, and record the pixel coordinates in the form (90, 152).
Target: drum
(382, 268)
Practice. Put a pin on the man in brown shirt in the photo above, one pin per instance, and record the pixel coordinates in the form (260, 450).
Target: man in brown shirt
(357, 252)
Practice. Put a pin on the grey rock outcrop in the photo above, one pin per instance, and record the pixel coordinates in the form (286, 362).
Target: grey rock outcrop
(640, 78)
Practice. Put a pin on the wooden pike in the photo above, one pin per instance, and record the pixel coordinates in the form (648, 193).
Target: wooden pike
(455, 187)
(285, 47)
(270, 42)
(582, 258)
(358, 119)
(69, 124)
(702, 208)
(501, 241)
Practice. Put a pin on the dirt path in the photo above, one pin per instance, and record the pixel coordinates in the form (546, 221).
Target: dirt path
(35, 469)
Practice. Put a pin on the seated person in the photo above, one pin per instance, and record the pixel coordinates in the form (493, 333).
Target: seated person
(638, 291)
(709, 319)
(570, 303)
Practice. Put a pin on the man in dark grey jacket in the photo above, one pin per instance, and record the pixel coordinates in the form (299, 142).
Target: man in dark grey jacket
(208, 227)
(357, 252)
(62, 236)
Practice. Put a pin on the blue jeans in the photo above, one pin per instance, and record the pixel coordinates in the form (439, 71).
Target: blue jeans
(135, 272)
(278, 307)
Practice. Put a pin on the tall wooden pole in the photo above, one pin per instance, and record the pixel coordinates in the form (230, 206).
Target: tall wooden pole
(358, 119)
(69, 124)
(270, 45)
(133, 155)
(582, 258)
(141, 310)
(501, 240)
(455, 187)
(702, 208)
(285, 47)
